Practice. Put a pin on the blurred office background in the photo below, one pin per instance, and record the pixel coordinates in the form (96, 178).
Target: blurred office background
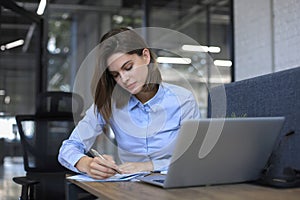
(53, 45)
(43, 52)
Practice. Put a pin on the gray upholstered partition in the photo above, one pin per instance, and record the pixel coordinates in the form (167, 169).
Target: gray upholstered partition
(276, 94)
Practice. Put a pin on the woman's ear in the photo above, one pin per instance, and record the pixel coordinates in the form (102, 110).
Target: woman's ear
(146, 55)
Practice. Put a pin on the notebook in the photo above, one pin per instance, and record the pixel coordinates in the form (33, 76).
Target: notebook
(219, 151)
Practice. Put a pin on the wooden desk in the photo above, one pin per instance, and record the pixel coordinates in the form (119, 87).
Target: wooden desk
(138, 191)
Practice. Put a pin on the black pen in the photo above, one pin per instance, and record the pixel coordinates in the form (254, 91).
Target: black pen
(97, 154)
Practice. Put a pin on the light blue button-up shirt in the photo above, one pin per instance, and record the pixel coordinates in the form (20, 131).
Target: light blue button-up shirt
(143, 132)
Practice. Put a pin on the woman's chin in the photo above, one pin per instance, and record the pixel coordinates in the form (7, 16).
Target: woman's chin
(135, 90)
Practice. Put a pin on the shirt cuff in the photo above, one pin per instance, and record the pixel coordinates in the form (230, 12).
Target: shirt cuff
(72, 162)
(161, 165)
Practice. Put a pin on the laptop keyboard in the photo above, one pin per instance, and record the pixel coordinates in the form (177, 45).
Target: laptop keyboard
(159, 180)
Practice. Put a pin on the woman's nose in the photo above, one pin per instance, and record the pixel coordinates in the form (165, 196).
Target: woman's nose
(124, 77)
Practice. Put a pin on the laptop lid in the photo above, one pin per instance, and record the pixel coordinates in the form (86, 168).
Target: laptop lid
(220, 150)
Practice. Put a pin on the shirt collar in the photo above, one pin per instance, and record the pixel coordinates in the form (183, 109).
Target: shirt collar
(133, 102)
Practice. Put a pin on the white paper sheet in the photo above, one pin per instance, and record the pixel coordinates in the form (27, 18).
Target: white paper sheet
(115, 178)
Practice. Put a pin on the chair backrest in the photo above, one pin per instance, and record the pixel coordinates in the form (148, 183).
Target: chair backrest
(42, 134)
(59, 104)
(275, 94)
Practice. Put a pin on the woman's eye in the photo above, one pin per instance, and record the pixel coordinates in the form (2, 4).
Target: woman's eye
(115, 75)
(128, 68)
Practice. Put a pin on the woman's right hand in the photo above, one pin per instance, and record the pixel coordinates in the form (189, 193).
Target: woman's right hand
(97, 167)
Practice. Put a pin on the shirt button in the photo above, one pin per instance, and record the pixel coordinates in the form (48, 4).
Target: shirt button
(147, 108)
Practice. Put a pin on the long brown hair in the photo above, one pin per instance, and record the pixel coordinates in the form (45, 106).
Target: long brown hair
(104, 87)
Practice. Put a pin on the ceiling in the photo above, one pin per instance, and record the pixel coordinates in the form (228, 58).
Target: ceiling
(184, 11)
(18, 65)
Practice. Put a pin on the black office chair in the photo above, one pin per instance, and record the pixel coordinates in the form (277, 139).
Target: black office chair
(41, 137)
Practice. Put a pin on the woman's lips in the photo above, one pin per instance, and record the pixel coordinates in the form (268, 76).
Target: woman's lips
(131, 86)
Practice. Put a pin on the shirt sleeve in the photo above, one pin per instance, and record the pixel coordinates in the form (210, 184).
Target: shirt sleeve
(81, 139)
(190, 109)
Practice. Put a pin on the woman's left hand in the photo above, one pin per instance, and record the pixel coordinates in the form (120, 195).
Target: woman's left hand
(133, 167)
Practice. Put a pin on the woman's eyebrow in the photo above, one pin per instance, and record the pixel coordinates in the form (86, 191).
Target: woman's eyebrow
(125, 64)
(122, 65)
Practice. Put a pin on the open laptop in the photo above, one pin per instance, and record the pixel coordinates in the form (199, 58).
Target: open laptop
(219, 151)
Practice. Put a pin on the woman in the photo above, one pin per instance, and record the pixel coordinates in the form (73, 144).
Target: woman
(144, 113)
